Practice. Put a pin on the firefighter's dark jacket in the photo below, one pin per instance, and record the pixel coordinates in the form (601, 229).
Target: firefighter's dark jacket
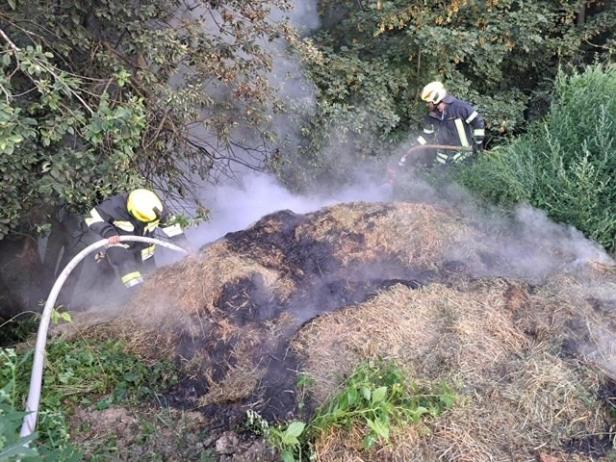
(111, 218)
(459, 125)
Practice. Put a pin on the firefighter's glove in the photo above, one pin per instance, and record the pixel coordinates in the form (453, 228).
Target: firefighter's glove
(113, 240)
(478, 144)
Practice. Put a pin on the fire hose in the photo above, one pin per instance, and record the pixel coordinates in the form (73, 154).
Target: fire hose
(444, 147)
(36, 378)
(391, 172)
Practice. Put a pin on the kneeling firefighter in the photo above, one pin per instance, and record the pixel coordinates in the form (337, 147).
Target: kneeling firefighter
(138, 213)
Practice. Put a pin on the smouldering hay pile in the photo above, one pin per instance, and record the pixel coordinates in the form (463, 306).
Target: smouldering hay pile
(283, 249)
(416, 234)
(234, 297)
(501, 344)
(512, 351)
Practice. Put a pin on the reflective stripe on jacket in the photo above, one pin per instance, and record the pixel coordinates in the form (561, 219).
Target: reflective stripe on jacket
(459, 125)
(111, 218)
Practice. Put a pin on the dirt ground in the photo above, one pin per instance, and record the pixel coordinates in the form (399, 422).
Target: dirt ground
(531, 358)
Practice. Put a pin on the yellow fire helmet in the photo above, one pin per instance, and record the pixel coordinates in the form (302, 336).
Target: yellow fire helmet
(434, 92)
(144, 205)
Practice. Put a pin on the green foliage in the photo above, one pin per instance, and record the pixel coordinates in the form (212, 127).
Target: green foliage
(370, 63)
(290, 439)
(565, 164)
(304, 382)
(378, 396)
(53, 141)
(18, 328)
(84, 373)
(287, 440)
(12, 446)
(58, 316)
(97, 97)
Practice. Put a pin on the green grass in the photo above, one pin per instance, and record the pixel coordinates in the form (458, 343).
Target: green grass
(86, 373)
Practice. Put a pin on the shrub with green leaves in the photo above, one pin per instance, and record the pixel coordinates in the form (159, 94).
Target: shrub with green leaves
(565, 164)
(372, 57)
(96, 95)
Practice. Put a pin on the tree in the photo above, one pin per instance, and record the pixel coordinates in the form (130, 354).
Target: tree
(100, 96)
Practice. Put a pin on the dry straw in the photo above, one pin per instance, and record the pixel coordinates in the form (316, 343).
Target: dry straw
(525, 360)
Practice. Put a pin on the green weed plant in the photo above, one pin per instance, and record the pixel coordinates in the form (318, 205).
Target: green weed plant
(377, 396)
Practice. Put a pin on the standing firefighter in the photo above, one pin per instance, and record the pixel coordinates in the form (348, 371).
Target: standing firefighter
(450, 122)
(138, 213)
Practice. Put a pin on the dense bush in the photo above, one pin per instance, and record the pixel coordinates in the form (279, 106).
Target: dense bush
(95, 96)
(565, 164)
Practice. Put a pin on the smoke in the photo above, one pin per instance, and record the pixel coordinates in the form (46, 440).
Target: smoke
(237, 205)
(304, 16)
(290, 97)
(523, 244)
(528, 245)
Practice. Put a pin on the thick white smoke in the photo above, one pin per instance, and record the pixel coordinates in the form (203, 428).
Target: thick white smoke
(235, 206)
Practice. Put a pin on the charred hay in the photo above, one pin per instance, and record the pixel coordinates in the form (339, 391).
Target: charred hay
(322, 292)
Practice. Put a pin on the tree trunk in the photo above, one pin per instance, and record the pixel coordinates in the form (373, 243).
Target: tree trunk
(21, 276)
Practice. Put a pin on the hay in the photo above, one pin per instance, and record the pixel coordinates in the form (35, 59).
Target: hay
(191, 296)
(195, 284)
(521, 357)
(149, 344)
(517, 393)
(417, 235)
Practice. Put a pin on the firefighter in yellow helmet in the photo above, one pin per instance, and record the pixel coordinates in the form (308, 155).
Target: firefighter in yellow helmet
(138, 213)
(450, 122)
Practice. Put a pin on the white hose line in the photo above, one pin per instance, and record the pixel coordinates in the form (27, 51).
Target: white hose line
(36, 378)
